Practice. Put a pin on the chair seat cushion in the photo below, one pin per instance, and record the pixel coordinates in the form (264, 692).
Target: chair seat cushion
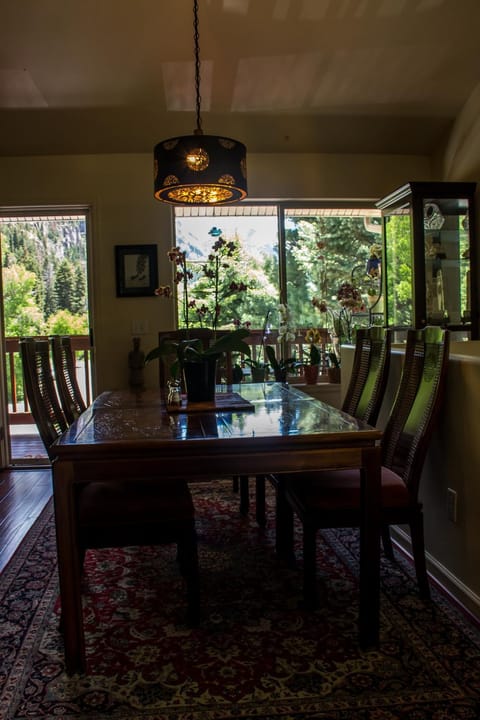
(340, 489)
(133, 502)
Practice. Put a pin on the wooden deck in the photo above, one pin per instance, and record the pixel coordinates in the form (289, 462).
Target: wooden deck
(26, 447)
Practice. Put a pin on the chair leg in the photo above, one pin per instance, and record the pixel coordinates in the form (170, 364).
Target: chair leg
(244, 497)
(309, 566)
(188, 561)
(387, 543)
(418, 549)
(260, 514)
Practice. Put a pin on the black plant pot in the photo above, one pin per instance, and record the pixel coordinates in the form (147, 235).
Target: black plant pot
(280, 375)
(200, 379)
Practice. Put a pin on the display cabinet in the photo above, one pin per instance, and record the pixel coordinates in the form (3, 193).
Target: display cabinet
(429, 257)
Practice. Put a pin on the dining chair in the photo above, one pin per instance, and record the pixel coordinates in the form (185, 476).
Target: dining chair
(141, 511)
(368, 379)
(69, 392)
(363, 399)
(331, 499)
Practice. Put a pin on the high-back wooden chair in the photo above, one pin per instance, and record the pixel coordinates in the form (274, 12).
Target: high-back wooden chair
(332, 499)
(40, 389)
(368, 380)
(69, 391)
(120, 512)
(363, 399)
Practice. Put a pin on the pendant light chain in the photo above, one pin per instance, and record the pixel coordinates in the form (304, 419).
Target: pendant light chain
(199, 169)
(198, 130)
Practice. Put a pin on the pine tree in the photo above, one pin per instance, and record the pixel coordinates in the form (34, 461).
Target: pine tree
(64, 285)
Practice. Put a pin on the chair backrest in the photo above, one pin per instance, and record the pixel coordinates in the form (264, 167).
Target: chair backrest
(417, 403)
(371, 363)
(66, 376)
(40, 390)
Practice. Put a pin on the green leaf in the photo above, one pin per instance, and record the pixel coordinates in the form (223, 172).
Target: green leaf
(314, 355)
(231, 342)
(270, 351)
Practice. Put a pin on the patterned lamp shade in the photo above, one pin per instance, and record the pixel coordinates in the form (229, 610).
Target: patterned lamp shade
(200, 170)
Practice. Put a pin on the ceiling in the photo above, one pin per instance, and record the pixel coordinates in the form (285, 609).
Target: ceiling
(338, 76)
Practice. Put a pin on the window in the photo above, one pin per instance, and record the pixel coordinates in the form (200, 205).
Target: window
(287, 253)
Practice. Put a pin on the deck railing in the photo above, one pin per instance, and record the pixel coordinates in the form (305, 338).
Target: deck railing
(298, 349)
(18, 410)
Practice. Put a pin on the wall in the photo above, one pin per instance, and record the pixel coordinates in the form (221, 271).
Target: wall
(119, 190)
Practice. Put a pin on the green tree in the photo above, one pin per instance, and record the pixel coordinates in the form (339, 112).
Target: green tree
(21, 312)
(66, 323)
(399, 275)
(321, 254)
(64, 285)
(79, 294)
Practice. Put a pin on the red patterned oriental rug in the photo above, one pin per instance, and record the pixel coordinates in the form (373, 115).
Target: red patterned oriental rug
(256, 655)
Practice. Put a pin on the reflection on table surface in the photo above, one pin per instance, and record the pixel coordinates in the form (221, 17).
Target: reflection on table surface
(276, 411)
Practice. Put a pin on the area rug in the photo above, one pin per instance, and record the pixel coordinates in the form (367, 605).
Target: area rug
(257, 654)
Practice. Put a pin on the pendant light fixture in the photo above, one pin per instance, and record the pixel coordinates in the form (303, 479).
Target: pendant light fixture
(199, 169)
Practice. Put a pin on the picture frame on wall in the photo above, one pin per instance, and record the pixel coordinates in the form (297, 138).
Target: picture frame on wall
(136, 270)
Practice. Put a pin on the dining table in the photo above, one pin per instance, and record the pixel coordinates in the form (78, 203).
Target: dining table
(248, 429)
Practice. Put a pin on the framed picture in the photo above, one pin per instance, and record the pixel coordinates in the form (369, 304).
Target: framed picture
(136, 269)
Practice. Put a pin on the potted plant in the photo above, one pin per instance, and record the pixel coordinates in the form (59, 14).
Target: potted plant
(311, 368)
(191, 357)
(333, 371)
(196, 362)
(257, 364)
(340, 321)
(282, 366)
(286, 334)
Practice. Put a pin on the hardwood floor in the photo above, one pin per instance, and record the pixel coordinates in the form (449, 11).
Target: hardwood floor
(23, 495)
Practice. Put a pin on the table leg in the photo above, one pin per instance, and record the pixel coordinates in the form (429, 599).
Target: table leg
(369, 617)
(244, 495)
(69, 570)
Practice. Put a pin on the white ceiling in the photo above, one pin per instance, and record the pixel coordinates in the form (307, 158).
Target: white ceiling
(279, 75)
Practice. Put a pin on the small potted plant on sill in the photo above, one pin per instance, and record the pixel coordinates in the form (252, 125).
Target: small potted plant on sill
(310, 369)
(257, 364)
(333, 371)
(286, 334)
(282, 366)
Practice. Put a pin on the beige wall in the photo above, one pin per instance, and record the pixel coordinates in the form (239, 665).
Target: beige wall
(119, 190)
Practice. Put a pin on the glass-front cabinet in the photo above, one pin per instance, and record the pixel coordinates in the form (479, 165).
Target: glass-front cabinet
(429, 257)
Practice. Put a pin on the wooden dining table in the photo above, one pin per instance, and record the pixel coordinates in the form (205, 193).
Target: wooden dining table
(250, 429)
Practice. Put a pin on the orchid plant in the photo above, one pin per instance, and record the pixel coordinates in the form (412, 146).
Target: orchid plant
(201, 305)
(339, 321)
(313, 337)
(286, 334)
